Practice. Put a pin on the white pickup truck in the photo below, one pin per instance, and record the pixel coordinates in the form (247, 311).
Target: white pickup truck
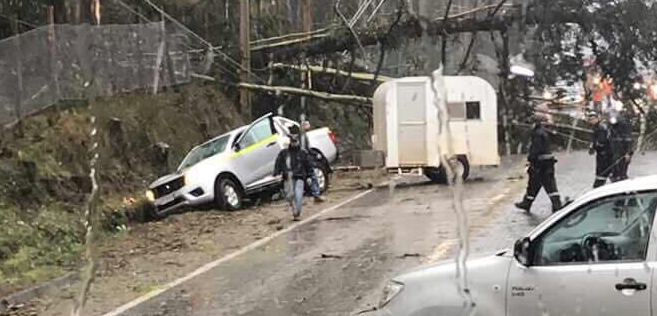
(236, 165)
(597, 256)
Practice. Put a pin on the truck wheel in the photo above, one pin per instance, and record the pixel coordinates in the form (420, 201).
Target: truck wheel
(228, 195)
(323, 178)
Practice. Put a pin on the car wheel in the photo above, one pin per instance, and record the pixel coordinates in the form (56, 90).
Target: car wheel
(228, 195)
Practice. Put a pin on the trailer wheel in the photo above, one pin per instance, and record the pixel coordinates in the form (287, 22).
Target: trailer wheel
(439, 175)
(436, 175)
(466, 166)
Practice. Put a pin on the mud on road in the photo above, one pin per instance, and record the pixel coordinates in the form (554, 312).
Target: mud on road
(147, 255)
(359, 245)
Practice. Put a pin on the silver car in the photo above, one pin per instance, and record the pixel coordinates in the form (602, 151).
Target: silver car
(597, 256)
(236, 165)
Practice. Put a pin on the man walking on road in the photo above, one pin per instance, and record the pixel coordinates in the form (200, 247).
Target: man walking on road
(295, 167)
(601, 148)
(621, 146)
(314, 161)
(541, 168)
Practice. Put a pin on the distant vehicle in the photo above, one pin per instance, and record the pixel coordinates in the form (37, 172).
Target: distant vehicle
(597, 256)
(406, 125)
(237, 165)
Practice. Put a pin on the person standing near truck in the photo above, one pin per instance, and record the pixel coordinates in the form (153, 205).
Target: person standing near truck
(314, 161)
(601, 148)
(294, 165)
(541, 168)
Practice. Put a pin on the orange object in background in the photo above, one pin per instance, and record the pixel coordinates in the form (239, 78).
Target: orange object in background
(652, 92)
(603, 89)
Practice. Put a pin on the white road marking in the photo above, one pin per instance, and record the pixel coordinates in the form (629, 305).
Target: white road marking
(228, 257)
(440, 251)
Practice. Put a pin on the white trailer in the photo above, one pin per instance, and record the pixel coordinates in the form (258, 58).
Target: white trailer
(406, 124)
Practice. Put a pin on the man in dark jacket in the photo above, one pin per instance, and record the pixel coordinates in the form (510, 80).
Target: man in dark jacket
(294, 165)
(541, 168)
(601, 147)
(621, 146)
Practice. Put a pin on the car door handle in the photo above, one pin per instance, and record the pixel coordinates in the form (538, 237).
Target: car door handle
(271, 144)
(631, 284)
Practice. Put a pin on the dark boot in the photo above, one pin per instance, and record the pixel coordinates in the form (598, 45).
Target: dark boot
(556, 203)
(526, 204)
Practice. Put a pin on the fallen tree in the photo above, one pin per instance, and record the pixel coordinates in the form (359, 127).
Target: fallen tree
(410, 26)
(332, 71)
(353, 99)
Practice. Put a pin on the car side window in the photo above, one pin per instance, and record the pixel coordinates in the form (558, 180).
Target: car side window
(260, 131)
(614, 229)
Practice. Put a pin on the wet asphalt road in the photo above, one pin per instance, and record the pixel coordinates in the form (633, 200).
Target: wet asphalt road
(337, 264)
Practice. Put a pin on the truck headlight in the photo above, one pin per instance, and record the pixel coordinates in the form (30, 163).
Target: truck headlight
(390, 291)
(150, 195)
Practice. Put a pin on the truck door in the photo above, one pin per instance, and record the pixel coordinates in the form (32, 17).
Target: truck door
(256, 152)
(595, 261)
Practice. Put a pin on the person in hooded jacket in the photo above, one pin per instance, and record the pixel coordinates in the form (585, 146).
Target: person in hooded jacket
(294, 165)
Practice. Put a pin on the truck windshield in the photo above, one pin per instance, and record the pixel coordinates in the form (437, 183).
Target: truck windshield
(204, 151)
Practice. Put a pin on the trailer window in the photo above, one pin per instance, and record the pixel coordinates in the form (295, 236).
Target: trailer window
(456, 110)
(473, 110)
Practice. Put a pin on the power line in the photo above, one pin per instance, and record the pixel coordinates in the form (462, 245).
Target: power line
(204, 41)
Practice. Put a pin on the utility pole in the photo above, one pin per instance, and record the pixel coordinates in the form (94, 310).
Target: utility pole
(307, 15)
(305, 77)
(245, 54)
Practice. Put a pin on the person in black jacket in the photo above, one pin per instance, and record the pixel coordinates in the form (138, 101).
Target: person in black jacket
(314, 161)
(621, 146)
(601, 147)
(294, 165)
(541, 168)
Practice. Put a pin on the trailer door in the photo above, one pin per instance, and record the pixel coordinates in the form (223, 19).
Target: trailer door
(412, 123)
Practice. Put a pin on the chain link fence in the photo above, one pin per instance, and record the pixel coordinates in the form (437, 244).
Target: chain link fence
(78, 62)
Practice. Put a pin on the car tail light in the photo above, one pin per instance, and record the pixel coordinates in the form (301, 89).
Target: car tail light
(334, 138)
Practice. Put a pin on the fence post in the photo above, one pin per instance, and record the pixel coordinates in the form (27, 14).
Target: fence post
(171, 71)
(19, 76)
(52, 47)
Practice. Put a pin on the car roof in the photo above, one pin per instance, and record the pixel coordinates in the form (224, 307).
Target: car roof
(636, 184)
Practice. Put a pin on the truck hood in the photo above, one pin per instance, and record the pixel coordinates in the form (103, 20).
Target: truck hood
(434, 289)
(164, 180)
(194, 172)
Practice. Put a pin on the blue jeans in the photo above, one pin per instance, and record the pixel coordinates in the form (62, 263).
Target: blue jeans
(314, 185)
(294, 195)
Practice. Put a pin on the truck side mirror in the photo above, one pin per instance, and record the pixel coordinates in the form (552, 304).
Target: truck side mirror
(237, 147)
(523, 251)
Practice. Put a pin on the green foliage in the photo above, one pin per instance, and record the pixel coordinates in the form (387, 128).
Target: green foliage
(36, 250)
